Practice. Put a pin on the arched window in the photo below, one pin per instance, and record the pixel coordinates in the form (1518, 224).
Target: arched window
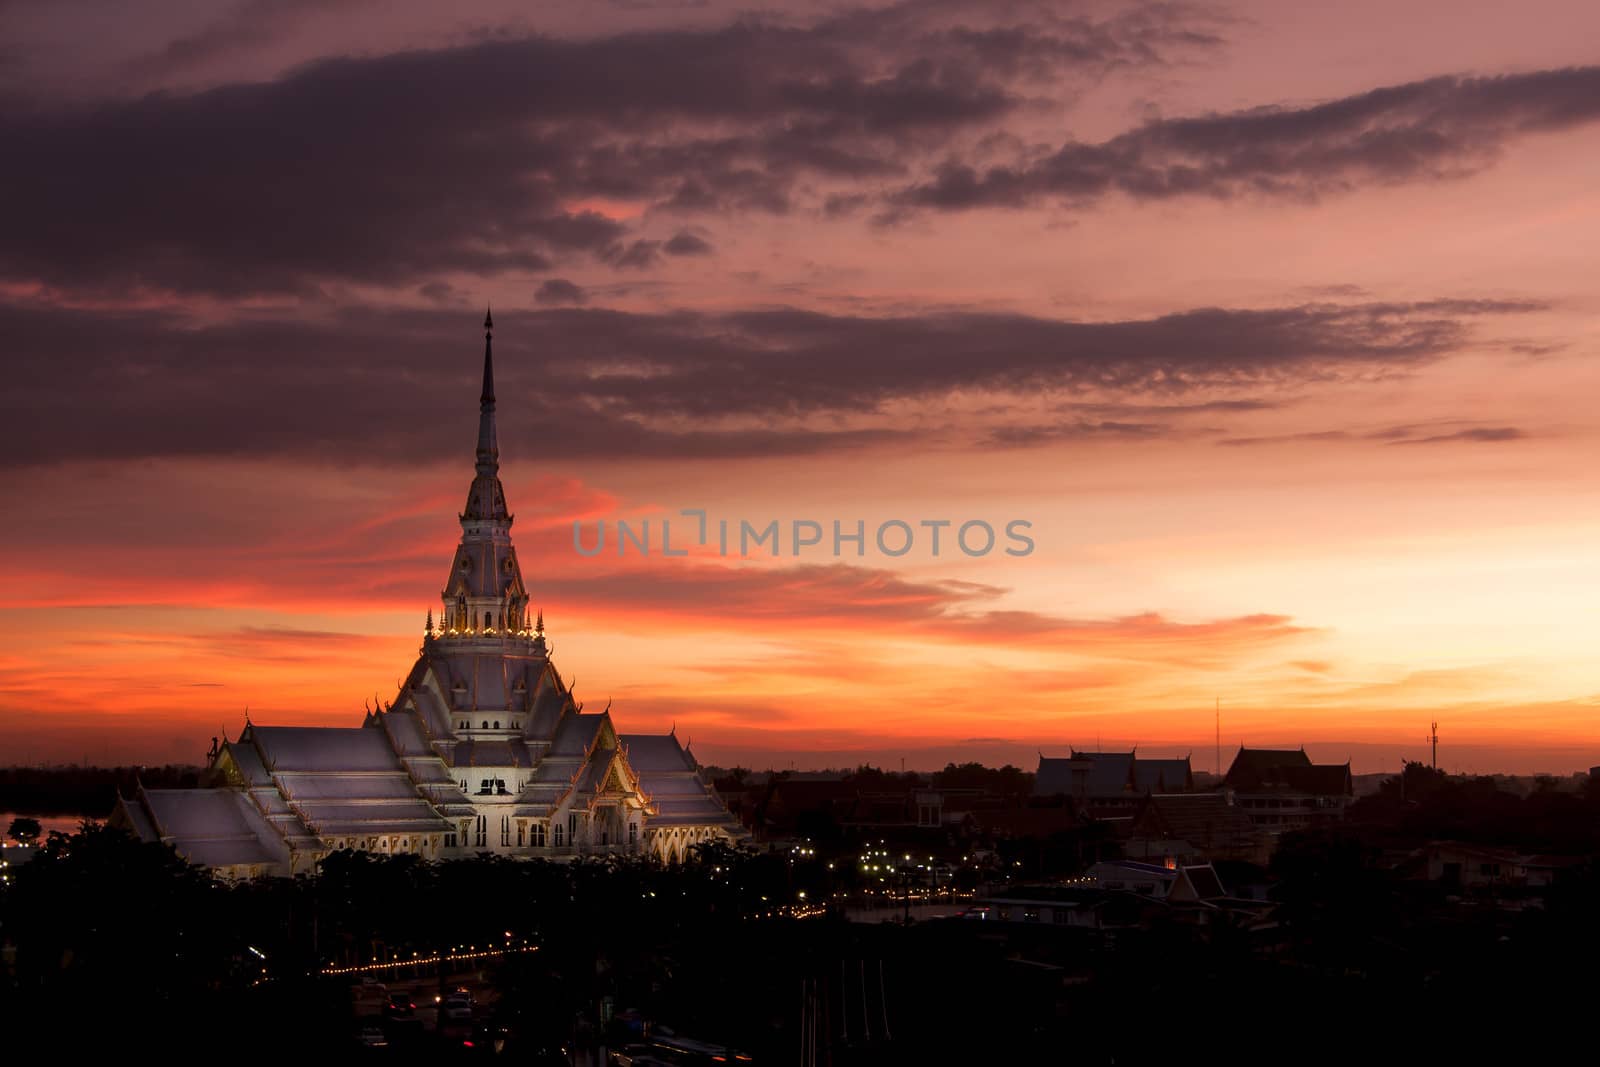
(497, 724)
(485, 724)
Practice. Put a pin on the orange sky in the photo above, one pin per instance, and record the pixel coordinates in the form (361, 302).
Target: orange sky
(1275, 323)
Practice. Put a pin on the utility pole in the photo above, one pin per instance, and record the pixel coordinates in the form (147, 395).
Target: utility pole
(1433, 738)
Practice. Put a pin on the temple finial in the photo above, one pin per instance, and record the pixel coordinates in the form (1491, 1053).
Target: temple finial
(427, 627)
(486, 500)
(538, 627)
(487, 399)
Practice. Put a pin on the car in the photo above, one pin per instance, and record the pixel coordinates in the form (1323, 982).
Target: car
(457, 1008)
(373, 1037)
(399, 1006)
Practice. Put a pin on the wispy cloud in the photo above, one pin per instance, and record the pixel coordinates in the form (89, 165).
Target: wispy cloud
(1431, 130)
(786, 381)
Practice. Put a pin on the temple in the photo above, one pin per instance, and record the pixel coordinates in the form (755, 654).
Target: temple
(483, 749)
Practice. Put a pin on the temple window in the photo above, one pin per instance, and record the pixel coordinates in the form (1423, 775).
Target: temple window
(505, 831)
(483, 831)
(488, 620)
(536, 839)
(522, 832)
(497, 724)
(558, 834)
(633, 833)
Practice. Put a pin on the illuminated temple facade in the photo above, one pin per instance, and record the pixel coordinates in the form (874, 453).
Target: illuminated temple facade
(482, 750)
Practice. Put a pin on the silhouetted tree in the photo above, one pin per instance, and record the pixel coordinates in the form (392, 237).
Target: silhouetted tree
(24, 829)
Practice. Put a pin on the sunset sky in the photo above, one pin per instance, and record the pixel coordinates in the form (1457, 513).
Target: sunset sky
(1278, 322)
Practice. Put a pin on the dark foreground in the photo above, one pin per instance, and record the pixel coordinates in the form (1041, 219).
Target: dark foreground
(109, 943)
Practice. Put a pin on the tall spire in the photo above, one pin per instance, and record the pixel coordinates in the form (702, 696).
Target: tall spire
(488, 446)
(486, 501)
(484, 595)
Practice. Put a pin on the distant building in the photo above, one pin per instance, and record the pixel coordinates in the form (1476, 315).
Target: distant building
(483, 749)
(1462, 865)
(1190, 827)
(1110, 784)
(1282, 790)
(1174, 884)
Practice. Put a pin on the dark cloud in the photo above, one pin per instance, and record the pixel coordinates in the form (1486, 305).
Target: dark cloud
(393, 168)
(685, 243)
(367, 384)
(787, 361)
(1052, 433)
(638, 255)
(1426, 434)
(1287, 438)
(1434, 129)
(1483, 433)
(560, 291)
(861, 597)
(243, 29)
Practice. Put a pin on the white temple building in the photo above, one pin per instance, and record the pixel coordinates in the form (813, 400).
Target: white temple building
(482, 750)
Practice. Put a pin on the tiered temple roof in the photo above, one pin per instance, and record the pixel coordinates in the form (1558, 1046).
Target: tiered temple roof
(1109, 776)
(483, 727)
(1272, 770)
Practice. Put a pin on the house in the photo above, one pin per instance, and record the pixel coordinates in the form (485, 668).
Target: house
(1461, 865)
(1282, 790)
(1175, 884)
